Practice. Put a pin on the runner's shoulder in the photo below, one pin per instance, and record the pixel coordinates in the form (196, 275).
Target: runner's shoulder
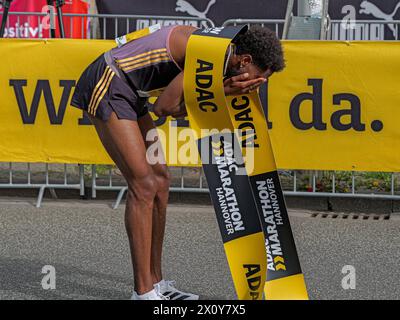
(184, 31)
(178, 42)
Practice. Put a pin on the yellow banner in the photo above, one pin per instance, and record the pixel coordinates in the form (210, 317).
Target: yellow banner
(236, 213)
(37, 80)
(335, 106)
(241, 175)
(38, 124)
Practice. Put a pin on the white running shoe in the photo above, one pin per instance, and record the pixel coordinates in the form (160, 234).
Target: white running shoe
(151, 295)
(168, 290)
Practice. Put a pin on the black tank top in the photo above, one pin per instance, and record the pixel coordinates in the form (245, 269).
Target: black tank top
(146, 63)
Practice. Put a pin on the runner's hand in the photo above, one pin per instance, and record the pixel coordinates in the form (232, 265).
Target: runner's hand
(180, 115)
(180, 111)
(239, 84)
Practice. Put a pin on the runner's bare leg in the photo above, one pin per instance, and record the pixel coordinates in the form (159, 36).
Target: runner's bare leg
(161, 173)
(123, 141)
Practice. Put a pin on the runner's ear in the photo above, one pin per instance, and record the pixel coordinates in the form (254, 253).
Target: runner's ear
(245, 59)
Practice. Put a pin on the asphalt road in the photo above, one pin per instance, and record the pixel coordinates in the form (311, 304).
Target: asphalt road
(85, 241)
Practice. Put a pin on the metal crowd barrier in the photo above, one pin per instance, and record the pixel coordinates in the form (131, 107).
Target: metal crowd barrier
(291, 183)
(273, 24)
(27, 182)
(391, 194)
(109, 182)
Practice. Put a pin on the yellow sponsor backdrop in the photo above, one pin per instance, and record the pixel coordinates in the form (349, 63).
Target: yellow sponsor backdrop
(369, 71)
(70, 141)
(53, 60)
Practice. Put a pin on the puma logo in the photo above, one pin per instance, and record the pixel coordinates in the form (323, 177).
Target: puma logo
(185, 6)
(371, 9)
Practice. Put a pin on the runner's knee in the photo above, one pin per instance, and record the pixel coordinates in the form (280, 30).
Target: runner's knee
(144, 188)
(163, 178)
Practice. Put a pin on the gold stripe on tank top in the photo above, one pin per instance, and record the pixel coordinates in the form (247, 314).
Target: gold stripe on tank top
(143, 64)
(152, 56)
(141, 55)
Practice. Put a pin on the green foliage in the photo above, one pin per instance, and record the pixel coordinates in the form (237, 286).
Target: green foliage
(369, 182)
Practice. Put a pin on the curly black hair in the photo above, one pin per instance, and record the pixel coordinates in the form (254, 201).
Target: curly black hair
(264, 47)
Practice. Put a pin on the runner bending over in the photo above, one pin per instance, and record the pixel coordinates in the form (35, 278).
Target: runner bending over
(113, 91)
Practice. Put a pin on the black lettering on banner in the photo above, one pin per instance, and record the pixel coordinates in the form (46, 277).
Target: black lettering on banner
(180, 123)
(203, 82)
(230, 192)
(204, 105)
(244, 116)
(282, 259)
(85, 120)
(160, 121)
(42, 86)
(316, 99)
(249, 135)
(240, 106)
(204, 66)
(354, 112)
(253, 277)
(264, 100)
(336, 120)
(204, 95)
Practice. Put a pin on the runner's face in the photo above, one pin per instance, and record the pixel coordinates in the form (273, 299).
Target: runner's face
(244, 64)
(255, 72)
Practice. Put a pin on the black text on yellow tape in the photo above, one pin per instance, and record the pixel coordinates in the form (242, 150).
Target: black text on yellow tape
(231, 194)
(284, 276)
(237, 217)
(208, 108)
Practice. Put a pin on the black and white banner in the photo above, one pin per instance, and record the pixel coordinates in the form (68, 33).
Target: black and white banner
(216, 10)
(379, 10)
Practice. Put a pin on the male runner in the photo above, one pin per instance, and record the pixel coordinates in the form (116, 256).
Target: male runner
(113, 91)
